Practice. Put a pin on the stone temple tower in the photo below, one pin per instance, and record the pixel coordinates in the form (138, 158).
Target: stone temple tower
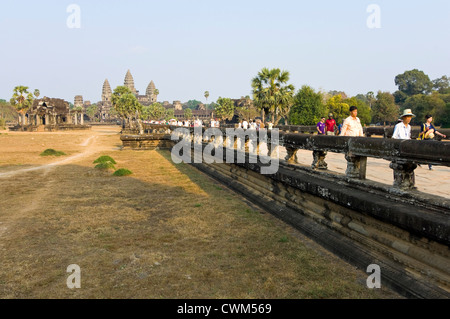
(151, 92)
(107, 92)
(78, 101)
(129, 82)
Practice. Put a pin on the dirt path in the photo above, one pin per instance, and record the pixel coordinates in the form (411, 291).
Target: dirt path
(90, 145)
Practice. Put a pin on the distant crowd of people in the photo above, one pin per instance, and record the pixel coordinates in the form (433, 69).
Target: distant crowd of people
(351, 126)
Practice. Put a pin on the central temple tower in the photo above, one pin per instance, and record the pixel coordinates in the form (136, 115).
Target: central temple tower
(106, 92)
(129, 82)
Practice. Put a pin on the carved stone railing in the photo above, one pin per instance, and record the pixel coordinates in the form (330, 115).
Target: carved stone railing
(403, 155)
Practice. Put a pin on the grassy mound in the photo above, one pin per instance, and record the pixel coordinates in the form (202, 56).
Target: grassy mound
(122, 172)
(105, 159)
(52, 152)
(105, 166)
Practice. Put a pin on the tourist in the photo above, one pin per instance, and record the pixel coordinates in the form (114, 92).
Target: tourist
(340, 128)
(321, 127)
(402, 130)
(352, 124)
(261, 124)
(245, 124)
(331, 125)
(428, 132)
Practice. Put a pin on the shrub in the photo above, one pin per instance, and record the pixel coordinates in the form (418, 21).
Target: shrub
(105, 166)
(105, 159)
(2, 124)
(122, 172)
(52, 152)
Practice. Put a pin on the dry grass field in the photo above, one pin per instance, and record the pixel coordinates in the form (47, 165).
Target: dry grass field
(167, 231)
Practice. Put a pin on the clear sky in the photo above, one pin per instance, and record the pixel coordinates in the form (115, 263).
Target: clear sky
(188, 47)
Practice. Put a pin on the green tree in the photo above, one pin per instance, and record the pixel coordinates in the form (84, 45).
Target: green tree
(400, 97)
(212, 106)
(7, 111)
(127, 106)
(384, 109)
(445, 122)
(414, 82)
(37, 93)
(246, 109)
(308, 108)
(92, 111)
(422, 104)
(225, 108)
(272, 95)
(156, 93)
(154, 112)
(187, 114)
(170, 114)
(22, 101)
(370, 97)
(442, 85)
(338, 107)
(192, 104)
(362, 97)
(206, 96)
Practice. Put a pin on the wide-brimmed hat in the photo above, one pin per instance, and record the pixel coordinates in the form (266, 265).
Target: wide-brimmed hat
(407, 112)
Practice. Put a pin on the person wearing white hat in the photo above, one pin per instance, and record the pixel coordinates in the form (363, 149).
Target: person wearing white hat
(402, 130)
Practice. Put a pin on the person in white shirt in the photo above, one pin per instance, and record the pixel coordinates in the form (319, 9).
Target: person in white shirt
(402, 130)
(245, 125)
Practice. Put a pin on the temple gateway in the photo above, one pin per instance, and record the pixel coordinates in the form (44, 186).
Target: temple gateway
(52, 114)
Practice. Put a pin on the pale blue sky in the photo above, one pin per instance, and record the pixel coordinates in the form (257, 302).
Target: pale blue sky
(189, 46)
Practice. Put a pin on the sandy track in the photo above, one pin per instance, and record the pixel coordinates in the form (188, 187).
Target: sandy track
(89, 143)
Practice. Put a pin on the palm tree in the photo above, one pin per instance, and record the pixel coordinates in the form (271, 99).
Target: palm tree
(156, 93)
(272, 94)
(370, 98)
(207, 96)
(22, 101)
(37, 93)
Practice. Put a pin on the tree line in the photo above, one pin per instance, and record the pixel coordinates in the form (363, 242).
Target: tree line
(275, 99)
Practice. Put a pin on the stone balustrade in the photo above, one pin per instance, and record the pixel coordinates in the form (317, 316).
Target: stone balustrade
(403, 155)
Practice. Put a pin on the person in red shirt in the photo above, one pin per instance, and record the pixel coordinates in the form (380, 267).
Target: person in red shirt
(330, 125)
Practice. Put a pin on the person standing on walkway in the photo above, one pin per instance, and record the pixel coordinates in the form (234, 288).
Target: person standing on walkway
(331, 125)
(245, 124)
(321, 126)
(352, 124)
(402, 130)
